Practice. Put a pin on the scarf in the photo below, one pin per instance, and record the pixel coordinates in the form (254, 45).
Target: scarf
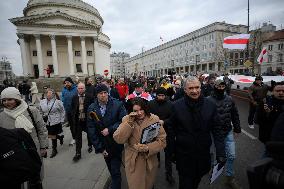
(21, 121)
(82, 115)
(195, 111)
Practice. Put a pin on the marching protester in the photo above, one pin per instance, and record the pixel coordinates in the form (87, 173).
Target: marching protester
(272, 109)
(193, 120)
(69, 90)
(138, 92)
(141, 161)
(104, 117)
(162, 107)
(228, 83)
(24, 89)
(122, 89)
(89, 85)
(34, 93)
(80, 104)
(17, 114)
(208, 88)
(53, 114)
(112, 90)
(257, 92)
(228, 114)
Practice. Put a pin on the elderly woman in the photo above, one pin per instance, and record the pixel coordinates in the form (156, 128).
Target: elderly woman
(17, 114)
(53, 112)
(141, 160)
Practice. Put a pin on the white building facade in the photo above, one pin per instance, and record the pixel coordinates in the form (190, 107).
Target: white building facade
(117, 64)
(200, 50)
(64, 35)
(275, 47)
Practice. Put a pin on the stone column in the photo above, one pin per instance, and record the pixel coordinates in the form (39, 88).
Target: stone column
(39, 56)
(84, 56)
(28, 54)
(70, 55)
(54, 55)
(23, 53)
(96, 47)
(208, 67)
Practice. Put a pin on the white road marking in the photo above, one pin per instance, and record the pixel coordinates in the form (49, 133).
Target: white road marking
(249, 135)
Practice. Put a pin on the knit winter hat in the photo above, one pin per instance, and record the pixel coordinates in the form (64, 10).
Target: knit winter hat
(219, 82)
(161, 90)
(69, 79)
(101, 88)
(11, 92)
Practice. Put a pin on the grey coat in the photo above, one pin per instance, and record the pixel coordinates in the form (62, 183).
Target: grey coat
(41, 141)
(57, 112)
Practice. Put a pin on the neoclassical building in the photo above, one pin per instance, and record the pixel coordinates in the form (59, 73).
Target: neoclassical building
(200, 50)
(64, 35)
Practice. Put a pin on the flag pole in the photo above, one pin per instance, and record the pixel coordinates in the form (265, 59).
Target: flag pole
(248, 57)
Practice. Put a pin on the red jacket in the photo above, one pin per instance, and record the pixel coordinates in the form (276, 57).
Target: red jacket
(122, 90)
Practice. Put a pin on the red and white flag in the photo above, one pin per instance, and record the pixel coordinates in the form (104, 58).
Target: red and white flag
(239, 41)
(263, 56)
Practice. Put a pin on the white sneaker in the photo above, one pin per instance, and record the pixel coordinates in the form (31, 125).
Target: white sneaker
(72, 142)
(251, 126)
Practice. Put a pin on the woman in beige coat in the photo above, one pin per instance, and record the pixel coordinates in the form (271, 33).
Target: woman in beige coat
(141, 161)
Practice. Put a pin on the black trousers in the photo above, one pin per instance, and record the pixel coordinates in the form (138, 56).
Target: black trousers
(79, 128)
(252, 111)
(71, 124)
(113, 165)
(186, 182)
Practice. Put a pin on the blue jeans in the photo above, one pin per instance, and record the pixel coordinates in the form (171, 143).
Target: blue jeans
(230, 150)
(113, 165)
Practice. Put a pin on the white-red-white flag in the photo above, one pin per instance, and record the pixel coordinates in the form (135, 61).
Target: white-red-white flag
(239, 41)
(263, 56)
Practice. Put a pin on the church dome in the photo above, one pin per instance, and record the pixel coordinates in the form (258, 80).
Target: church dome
(75, 4)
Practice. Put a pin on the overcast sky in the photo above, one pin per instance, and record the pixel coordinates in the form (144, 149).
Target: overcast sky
(133, 24)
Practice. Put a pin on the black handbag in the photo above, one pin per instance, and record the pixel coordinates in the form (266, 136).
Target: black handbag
(45, 117)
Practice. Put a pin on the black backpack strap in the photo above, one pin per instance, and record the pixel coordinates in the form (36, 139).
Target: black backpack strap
(33, 120)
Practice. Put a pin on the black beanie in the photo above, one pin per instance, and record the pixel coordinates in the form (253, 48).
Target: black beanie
(161, 90)
(101, 88)
(69, 79)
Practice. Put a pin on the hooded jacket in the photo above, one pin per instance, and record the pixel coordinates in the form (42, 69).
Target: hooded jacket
(66, 97)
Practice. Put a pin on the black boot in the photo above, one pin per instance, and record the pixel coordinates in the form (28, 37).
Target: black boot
(60, 138)
(53, 153)
(90, 149)
(77, 157)
(54, 148)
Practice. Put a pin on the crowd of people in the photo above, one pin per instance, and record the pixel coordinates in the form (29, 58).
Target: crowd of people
(197, 120)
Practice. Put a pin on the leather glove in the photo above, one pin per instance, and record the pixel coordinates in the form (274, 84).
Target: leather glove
(141, 147)
(221, 161)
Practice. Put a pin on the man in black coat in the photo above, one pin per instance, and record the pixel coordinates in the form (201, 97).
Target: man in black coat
(112, 90)
(162, 107)
(193, 120)
(90, 88)
(80, 104)
(228, 113)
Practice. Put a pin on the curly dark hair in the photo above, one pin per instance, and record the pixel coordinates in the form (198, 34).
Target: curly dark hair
(143, 104)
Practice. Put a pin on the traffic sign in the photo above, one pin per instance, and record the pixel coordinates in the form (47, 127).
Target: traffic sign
(106, 72)
(248, 63)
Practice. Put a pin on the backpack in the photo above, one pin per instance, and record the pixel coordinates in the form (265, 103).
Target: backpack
(19, 159)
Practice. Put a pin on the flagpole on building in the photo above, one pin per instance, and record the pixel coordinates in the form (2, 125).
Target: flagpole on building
(248, 56)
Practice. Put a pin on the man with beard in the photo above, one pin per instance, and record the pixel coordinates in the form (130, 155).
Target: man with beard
(208, 88)
(228, 114)
(162, 107)
(272, 107)
(193, 120)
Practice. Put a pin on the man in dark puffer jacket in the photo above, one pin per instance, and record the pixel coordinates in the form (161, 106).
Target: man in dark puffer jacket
(229, 115)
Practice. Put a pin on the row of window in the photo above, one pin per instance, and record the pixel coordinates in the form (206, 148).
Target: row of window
(280, 47)
(77, 53)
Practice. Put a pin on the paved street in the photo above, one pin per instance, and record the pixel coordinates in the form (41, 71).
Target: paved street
(248, 150)
(61, 173)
